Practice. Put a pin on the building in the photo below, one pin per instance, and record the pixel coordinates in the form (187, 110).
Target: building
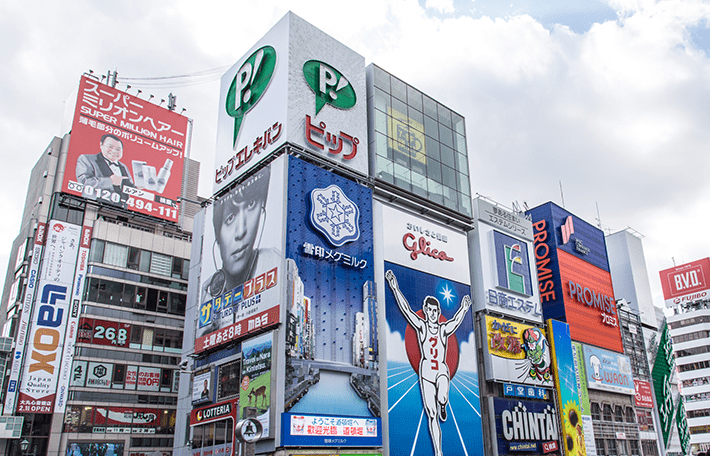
(95, 293)
(352, 183)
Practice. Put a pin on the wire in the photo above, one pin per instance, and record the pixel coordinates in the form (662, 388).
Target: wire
(181, 80)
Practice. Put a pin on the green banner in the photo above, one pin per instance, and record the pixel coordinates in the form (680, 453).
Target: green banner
(682, 423)
(661, 375)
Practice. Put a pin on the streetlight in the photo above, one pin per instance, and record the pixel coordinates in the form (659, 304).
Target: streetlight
(24, 445)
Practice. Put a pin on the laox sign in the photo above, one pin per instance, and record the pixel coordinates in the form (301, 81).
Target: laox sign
(47, 338)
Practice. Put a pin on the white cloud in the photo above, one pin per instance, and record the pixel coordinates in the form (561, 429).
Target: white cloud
(442, 6)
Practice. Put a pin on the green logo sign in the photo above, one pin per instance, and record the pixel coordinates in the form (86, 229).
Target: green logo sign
(329, 85)
(249, 85)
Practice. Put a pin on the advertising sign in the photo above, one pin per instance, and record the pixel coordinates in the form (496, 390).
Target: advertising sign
(331, 431)
(148, 379)
(686, 283)
(49, 319)
(125, 151)
(90, 449)
(505, 280)
(23, 326)
(99, 375)
(332, 344)
(584, 405)
(573, 437)
(424, 245)
(643, 396)
(432, 380)
(127, 420)
(255, 389)
(78, 377)
(242, 275)
(682, 424)
(202, 391)
(662, 374)
(296, 84)
(103, 332)
(516, 352)
(608, 371)
(73, 320)
(214, 412)
(524, 426)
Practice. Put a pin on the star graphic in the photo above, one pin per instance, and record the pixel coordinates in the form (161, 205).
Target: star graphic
(336, 213)
(447, 293)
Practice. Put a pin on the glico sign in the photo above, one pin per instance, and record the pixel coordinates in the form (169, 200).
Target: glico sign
(573, 275)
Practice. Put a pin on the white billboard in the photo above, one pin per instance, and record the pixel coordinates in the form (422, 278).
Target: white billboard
(49, 319)
(296, 84)
(504, 276)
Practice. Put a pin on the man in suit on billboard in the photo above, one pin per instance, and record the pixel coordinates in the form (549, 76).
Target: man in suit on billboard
(102, 174)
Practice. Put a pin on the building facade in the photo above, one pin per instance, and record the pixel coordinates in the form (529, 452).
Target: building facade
(95, 293)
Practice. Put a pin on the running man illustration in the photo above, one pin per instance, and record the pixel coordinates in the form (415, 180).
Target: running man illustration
(433, 371)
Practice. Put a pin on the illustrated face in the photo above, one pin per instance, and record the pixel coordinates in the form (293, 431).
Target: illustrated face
(432, 313)
(240, 226)
(112, 150)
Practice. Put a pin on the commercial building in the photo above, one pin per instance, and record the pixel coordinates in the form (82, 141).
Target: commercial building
(685, 289)
(341, 204)
(95, 293)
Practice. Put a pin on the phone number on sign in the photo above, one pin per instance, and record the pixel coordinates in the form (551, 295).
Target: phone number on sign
(131, 203)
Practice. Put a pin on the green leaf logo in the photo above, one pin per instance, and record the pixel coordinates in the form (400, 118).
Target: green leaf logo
(249, 85)
(329, 85)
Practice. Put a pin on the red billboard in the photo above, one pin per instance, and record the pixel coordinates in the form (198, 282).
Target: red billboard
(687, 282)
(102, 332)
(643, 394)
(125, 151)
(590, 307)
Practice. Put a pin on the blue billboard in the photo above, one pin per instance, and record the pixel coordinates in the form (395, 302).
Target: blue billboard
(332, 349)
(525, 426)
(433, 395)
(607, 370)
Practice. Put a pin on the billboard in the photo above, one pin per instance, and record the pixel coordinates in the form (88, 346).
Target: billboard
(608, 371)
(505, 279)
(23, 326)
(643, 395)
(73, 320)
(432, 382)
(516, 352)
(125, 151)
(49, 319)
(296, 84)
(332, 344)
(242, 274)
(590, 306)
(568, 403)
(661, 374)
(686, 283)
(524, 426)
(255, 386)
(96, 331)
(331, 431)
(202, 390)
(584, 404)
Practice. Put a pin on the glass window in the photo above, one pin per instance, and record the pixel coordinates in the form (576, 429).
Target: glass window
(160, 264)
(458, 124)
(398, 89)
(110, 292)
(97, 251)
(382, 79)
(619, 414)
(185, 269)
(416, 119)
(385, 169)
(600, 447)
(152, 302)
(446, 136)
(432, 149)
(607, 412)
(448, 176)
(460, 143)
(436, 191)
(462, 164)
(402, 176)
(177, 304)
(163, 301)
(414, 98)
(431, 127)
(119, 374)
(229, 379)
(419, 184)
(630, 415)
(430, 107)
(399, 108)
(134, 255)
(448, 157)
(141, 297)
(382, 100)
(145, 261)
(381, 120)
(116, 255)
(444, 115)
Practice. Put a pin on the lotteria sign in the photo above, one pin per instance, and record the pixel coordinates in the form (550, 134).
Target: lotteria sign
(686, 283)
(214, 412)
(295, 85)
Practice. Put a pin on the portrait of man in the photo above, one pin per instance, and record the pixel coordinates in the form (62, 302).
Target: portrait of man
(205, 390)
(236, 251)
(433, 336)
(103, 172)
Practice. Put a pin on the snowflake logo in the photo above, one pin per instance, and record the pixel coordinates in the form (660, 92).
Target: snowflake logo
(334, 215)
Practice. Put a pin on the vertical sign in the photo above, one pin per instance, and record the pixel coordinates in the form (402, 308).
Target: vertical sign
(23, 327)
(49, 319)
(584, 405)
(661, 375)
(255, 388)
(73, 320)
(566, 383)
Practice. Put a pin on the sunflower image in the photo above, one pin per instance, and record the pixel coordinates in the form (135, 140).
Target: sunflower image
(573, 433)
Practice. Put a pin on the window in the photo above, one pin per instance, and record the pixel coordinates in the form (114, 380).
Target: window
(607, 412)
(116, 255)
(134, 255)
(630, 415)
(634, 447)
(600, 447)
(97, 251)
(596, 412)
(611, 444)
(160, 264)
(619, 414)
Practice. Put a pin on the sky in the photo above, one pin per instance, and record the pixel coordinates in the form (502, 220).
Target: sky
(597, 105)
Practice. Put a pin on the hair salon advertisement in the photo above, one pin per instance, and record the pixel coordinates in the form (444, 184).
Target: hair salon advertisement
(242, 272)
(125, 151)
